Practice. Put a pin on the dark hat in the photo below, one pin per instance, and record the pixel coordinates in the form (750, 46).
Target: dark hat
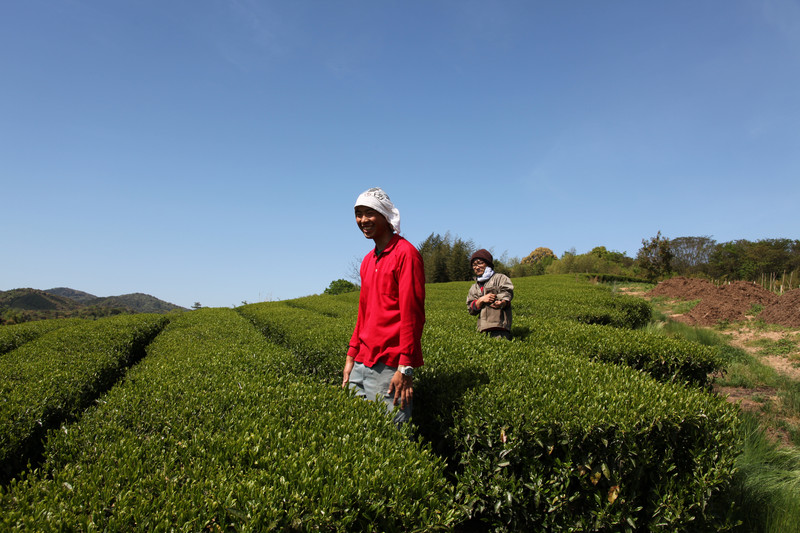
(482, 254)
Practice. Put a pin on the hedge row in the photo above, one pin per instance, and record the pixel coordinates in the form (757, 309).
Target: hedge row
(15, 335)
(663, 358)
(317, 339)
(546, 441)
(613, 278)
(211, 432)
(564, 297)
(538, 437)
(52, 378)
(341, 306)
(666, 359)
(219, 428)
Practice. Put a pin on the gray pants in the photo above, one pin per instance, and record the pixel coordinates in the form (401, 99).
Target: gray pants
(372, 383)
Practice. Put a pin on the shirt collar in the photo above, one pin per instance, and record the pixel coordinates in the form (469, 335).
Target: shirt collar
(389, 245)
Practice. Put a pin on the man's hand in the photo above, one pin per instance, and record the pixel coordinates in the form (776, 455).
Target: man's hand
(349, 362)
(402, 387)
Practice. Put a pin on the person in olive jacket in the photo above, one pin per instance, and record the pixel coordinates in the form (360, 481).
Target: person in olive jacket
(490, 297)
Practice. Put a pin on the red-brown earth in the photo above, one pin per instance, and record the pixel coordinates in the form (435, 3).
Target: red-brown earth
(730, 302)
(740, 303)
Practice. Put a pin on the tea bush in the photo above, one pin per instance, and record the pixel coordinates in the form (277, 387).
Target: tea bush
(562, 297)
(536, 435)
(318, 339)
(51, 379)
(559, 443)
(664, 358)
(235, 421)
(15, 335)
(341, 306)
(210, 432)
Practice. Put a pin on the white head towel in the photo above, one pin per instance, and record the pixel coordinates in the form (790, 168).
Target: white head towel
(380, 202)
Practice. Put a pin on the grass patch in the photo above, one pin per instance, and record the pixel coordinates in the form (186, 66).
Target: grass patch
(670, 306)
(745, 370)
(662, 323)
(790, 398)
(766, 490)
(631, 286)
(784, 346)
(792, 431)
(703, 336)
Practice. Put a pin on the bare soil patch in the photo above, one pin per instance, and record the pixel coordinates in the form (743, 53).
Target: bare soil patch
(738, 304)
(746, 337)
(732, 302)
(748, 399)
(735, 303)
(785, 311)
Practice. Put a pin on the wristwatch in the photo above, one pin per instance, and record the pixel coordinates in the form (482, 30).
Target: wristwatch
(406, 370)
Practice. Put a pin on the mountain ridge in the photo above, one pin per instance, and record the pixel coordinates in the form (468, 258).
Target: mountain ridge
(26, 304)
(72, 294)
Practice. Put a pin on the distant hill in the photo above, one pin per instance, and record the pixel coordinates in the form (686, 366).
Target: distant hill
(35, 300)
(141, 303)
(23, 305)
(72, 294)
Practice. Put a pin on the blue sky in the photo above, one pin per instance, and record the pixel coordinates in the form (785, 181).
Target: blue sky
(211, 151)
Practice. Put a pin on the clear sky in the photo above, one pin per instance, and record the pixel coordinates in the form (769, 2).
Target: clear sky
(212, 151)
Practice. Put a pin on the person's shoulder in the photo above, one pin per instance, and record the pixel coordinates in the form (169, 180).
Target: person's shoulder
(405, 245)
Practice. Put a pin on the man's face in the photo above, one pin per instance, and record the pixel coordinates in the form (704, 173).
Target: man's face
(479, 266)
(371, 223)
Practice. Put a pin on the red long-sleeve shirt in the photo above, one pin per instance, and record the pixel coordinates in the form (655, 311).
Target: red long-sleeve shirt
(391, 307)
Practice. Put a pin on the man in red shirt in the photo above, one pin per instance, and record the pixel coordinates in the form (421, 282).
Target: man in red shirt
(386, 344)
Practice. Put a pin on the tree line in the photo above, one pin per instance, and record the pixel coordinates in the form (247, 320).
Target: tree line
(774, 263)
(766, 260)
(777, 260)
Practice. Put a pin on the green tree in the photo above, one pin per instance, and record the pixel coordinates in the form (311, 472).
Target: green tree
(538, 255)
(430, 250)
(518, 269)
(725, 260)
(458, 267)
(340, 286)
(743, 259)
(599, 260)
(691, 255)
(446, 258)
(655, 257)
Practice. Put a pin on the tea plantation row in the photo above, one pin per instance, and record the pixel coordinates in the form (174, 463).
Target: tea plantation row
(16, 335)
(234, 419)
(55, 376)
(537, 434)
(210, 431)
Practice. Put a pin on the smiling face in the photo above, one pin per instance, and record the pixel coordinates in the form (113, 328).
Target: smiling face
(372, 224)
(479, 267)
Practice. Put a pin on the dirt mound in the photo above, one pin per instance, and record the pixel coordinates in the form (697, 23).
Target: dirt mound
(730, 302)
(785, 311)
(683, 288)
